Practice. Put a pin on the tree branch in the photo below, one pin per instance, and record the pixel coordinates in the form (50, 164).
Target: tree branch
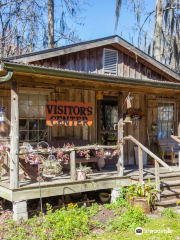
(143, 25)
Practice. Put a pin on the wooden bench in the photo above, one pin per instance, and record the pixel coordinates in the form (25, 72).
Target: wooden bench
(169, 150)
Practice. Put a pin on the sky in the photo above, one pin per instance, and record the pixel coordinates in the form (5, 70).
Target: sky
(99, 20)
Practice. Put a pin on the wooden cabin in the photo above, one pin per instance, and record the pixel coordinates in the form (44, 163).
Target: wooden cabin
(109, 74)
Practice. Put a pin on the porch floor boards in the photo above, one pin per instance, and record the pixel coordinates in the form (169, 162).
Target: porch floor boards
(131, 171)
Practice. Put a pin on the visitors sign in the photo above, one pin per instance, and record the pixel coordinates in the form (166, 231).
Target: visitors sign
(69, 113)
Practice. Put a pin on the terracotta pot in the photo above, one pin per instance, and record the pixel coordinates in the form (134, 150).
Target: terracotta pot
(141, 201)
(152, 161)
(81, 175)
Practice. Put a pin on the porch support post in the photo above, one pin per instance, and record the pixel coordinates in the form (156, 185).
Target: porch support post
(120, 163)
(20, 211)
(73, 166)
(14, 151)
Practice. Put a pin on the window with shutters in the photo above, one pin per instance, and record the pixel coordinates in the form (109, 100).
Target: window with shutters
(110, 61)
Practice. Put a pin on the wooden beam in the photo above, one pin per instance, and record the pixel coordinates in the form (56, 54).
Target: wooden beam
(120, 163)
(14, 145)
(157, 178)
(72, 166)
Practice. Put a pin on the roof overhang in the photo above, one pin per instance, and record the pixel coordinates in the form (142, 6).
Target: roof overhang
(68, 74)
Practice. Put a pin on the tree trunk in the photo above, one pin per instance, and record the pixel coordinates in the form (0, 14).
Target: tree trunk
(158, 30)
(50, 23)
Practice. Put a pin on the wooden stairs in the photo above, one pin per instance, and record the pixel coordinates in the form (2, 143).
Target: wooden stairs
(170, 188)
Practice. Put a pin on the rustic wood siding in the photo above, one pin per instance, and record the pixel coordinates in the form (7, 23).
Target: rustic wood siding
(78, 132)
(91, 60)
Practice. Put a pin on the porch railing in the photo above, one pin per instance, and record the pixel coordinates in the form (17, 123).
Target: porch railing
(177, 139)
(157, 162)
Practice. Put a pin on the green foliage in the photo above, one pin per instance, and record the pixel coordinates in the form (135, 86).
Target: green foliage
(144, 190)
(130, 218)
(170, 213)
(66, 223)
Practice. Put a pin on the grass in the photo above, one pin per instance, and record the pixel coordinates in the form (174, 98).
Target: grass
(77, 223)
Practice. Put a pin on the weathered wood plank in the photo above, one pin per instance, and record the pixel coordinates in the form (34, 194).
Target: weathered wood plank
(73, 166)
(157, 178)
(14, 161)
(120, 163)
(140, 156)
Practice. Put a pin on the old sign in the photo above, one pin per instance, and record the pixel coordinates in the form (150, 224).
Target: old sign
(69, 113)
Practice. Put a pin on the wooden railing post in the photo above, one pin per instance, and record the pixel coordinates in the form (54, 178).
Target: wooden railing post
(73, 166)
(120, 163)
(14, 146)
(179, 154)
(140, 164)
(157, 178)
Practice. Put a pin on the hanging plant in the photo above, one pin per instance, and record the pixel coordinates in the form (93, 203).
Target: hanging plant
(135, 113)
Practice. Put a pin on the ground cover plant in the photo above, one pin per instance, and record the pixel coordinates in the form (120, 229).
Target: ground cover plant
(109, 221)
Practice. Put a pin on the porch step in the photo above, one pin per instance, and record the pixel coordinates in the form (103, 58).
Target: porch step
(163, 176)
(170, 194)
(167, 203)
(166, 185)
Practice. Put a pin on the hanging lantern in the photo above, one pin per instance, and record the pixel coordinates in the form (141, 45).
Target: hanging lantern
(2, 114)
(127, 119)
(99, 96)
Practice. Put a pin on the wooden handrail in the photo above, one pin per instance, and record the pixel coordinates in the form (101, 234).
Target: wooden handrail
(149, 152)
(176, 138)
(157, 162)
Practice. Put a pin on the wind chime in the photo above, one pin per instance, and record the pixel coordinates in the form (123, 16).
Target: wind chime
(2, 114)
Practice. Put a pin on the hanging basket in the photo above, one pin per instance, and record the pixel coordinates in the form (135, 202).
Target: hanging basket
(133, 112)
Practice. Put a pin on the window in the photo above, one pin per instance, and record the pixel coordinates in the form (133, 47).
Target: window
(32, 117)
(165, 119)
(110, 61)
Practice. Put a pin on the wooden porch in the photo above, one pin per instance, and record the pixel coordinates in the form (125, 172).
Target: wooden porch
(106, 179)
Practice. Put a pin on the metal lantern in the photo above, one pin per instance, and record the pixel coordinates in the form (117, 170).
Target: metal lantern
(2, 114)
(127, 119)
(99, 96)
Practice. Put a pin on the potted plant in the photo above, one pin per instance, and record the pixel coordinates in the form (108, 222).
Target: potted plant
(143, 194)
(81, 172)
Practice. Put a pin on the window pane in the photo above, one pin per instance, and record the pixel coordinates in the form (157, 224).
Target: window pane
(33, 111)
(33, 99)
(33, 136)
(23, 124)
(43, 136)
(42, 124)
(23, 99)
(33, 124)
(23, 136)
(171, 115)
(42, 111)
(23, 111)
(43, 99)
(165, 116)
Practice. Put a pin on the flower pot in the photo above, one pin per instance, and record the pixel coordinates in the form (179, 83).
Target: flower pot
(104, 197)
(141, 201)
(101, 162)
(152, 161)
(81, 175)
